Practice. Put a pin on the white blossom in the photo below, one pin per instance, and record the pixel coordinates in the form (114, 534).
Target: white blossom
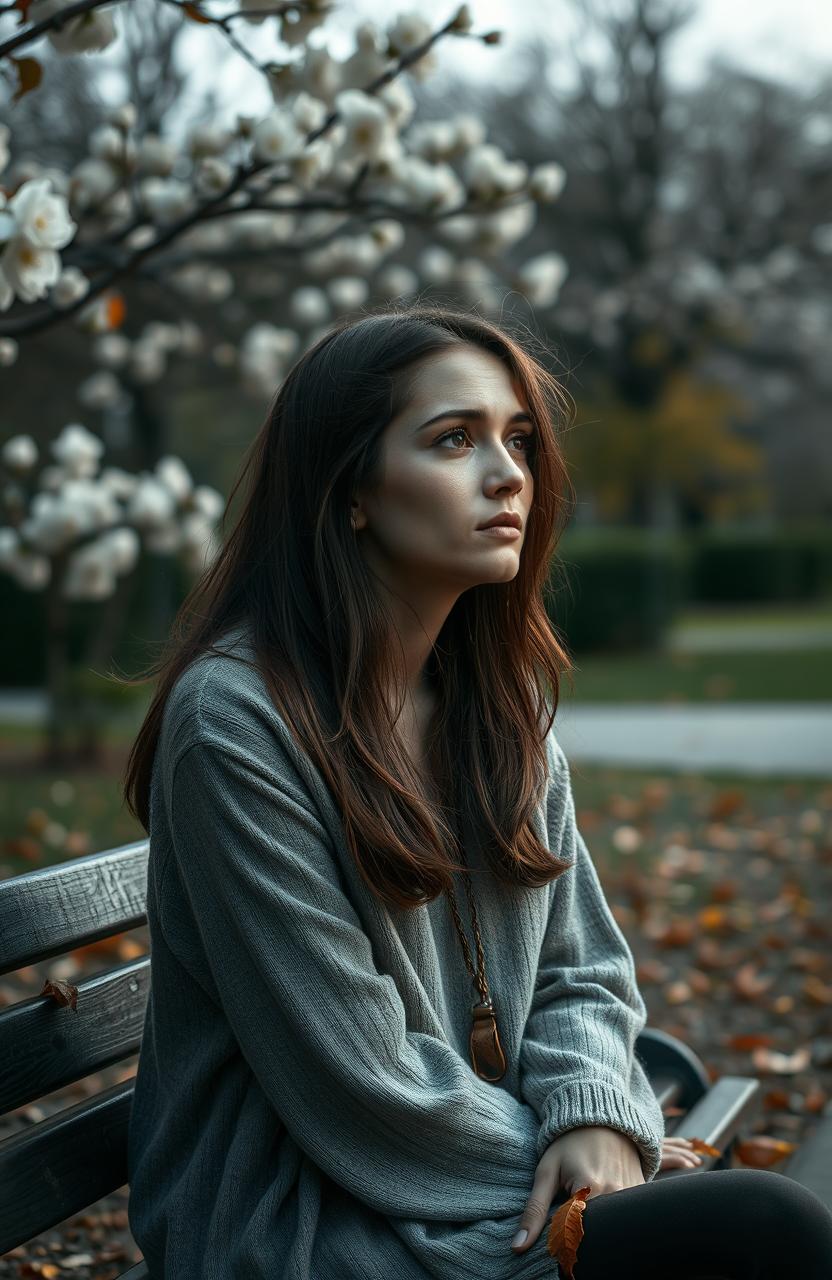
(91, 182)
(208, 139)
(111, 349)
(41, 216)
(71, 285)
(117, 481)
(123, 116)
(433, 139)
(6, 290)
(397, 97)
(366, 122)
(430, 187)
(109, 143)
(147, 362)
(407, 32)
(313, 163)
(203, 283)
(173, 473)
(487, 173)
(436, 264)
(166, 199)
(164, 538)
(397, 281)
(5, 134)
(470, 131)
(546, 182)
(347, 292)
(309, 113)
(77, 450)
(87, 33)
(276, 136)
(155, 156)
(90, 573)
(207, 501)
(101, 390)
(212, 176)
(540, 278)
(309, 305)
(9, 348)
(151, 504)
(57, 519)
(20, 453)
(319, 74)
(29, 270)
(388, 234)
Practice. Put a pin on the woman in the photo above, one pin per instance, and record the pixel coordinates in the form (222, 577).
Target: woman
(350, 748)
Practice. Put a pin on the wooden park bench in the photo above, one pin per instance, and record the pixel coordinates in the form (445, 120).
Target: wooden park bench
(62, 1165)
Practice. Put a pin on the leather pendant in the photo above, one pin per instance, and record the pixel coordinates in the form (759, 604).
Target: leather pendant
(487, 1057)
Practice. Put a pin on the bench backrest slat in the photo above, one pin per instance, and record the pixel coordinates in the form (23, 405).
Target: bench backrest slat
(45, 1045)
(50, 911)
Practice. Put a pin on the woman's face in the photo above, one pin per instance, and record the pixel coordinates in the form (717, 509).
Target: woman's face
(438, 482)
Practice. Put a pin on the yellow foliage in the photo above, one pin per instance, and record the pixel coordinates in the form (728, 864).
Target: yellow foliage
(684, 442)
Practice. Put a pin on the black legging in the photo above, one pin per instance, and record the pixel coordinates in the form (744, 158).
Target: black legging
(717, 1224)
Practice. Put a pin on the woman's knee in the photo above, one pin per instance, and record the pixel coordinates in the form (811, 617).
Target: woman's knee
(776, 1208)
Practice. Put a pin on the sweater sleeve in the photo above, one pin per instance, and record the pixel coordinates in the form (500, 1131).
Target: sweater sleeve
(394, 1116)
(578, 1064)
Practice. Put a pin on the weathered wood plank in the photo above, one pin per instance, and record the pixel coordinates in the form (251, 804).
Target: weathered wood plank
(45, 1045)
(50, 911)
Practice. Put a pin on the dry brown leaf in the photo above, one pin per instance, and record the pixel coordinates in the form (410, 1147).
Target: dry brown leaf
(761, 1152)
(65, 993)
(704, 1148)
(566, 1231)
(745, 1043)
(748, 983)
(816, 991)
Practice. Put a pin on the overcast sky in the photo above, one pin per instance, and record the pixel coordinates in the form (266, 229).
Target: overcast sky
(786, 39)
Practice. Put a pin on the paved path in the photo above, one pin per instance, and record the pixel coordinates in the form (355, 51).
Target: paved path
(815, 633)
(744, 737)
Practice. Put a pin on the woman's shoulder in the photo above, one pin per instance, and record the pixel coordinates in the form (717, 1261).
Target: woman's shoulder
(222, 699)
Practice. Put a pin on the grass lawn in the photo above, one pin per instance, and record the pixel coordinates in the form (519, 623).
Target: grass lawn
(800, 675)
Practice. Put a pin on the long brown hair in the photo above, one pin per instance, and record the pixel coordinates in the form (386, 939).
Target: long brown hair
(292, 570)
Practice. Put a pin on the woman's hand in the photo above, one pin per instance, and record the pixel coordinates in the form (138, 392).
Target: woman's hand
(600, 1158)
(677, 1154)
(593, 1155)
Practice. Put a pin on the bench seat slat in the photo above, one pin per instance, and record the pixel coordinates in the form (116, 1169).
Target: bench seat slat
(729, 1106)
(63, 1165)
(45, 1045)
(811, 1164)
(54, 909)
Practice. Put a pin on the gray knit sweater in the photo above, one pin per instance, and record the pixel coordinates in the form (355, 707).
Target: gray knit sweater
(305, 1108)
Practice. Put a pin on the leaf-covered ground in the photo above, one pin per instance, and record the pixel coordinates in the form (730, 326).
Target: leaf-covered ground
(723, 890)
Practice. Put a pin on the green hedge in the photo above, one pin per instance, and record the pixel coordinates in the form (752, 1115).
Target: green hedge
(789, 565)
(616, 590)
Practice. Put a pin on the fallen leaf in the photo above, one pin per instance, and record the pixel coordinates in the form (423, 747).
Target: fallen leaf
(65, 993)
(761, 1152)
(566, 1231)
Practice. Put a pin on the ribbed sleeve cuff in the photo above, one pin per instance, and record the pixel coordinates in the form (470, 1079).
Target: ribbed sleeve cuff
(595, 1102)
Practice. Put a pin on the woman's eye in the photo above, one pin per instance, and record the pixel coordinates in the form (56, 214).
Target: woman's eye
(525, 436)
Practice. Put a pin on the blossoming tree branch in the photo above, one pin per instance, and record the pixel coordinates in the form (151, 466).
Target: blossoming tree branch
(328, 184)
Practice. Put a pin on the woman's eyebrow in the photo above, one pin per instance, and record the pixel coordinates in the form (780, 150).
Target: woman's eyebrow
(474, 414)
